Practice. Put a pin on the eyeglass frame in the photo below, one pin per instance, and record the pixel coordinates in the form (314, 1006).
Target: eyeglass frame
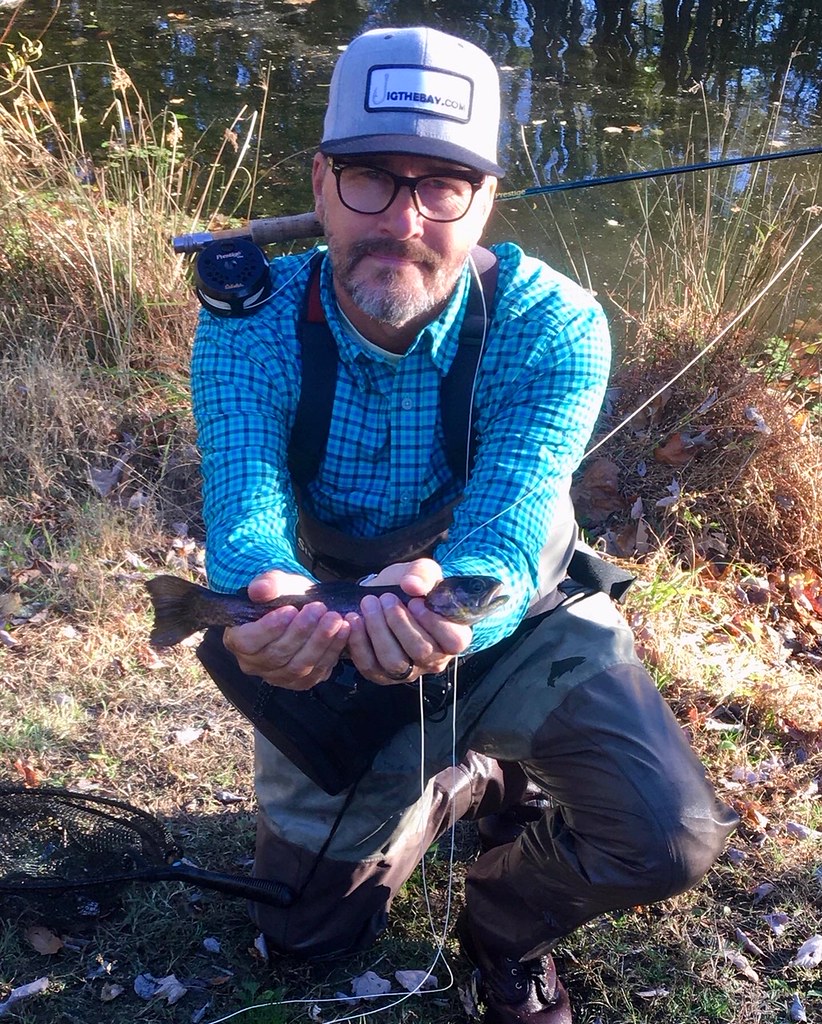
(401, 181)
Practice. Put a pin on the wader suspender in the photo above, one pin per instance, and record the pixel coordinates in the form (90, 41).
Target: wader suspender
(318, 350)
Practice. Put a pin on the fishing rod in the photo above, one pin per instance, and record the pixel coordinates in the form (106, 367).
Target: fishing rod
(658, 172)
(267, 230)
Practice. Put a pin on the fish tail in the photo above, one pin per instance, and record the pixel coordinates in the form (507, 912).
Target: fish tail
(175, 610)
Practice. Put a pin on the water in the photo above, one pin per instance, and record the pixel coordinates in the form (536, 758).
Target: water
(590, 88)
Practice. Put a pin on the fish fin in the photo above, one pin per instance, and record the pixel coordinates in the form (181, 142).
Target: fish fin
(174, 612)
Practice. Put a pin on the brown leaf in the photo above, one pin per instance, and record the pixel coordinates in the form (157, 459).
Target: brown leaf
(27, 772)
(750, 814)
(10, 605)
(150, 659)
(740, 963)
(596, 496)
(43, 940)
(676, 451)
(655, 408)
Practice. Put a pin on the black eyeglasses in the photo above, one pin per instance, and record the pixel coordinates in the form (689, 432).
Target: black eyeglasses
(364, 188)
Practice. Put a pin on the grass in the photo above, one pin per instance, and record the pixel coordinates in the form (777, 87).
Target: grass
(99, 489)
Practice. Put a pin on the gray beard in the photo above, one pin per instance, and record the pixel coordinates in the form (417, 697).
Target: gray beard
(387, 300)
(390, 302)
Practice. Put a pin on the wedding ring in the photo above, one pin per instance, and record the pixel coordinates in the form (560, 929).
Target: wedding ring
(401, 676)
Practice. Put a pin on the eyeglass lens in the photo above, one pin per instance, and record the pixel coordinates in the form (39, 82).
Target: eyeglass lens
(438, 197)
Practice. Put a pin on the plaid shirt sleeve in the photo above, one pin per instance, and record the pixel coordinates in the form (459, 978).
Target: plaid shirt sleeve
(245, 384)
(541, 384)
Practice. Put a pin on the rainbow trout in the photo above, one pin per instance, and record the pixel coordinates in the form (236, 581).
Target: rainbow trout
(182, 608)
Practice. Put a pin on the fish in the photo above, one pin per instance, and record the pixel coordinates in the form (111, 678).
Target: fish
(182, 607)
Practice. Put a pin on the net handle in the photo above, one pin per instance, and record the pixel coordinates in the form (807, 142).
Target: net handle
(260, 890)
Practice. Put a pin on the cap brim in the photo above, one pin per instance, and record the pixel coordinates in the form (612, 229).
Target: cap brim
(416, 145)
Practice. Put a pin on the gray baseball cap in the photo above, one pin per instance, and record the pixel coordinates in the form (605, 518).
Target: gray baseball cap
(415, 90)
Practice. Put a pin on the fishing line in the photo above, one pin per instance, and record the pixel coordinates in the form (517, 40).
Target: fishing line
(474, 270)
(439, 938)
(711, 344)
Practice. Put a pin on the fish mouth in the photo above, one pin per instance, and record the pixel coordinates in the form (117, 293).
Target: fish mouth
(494, 598)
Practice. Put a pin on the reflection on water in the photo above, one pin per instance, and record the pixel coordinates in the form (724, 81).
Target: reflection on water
(591, 87)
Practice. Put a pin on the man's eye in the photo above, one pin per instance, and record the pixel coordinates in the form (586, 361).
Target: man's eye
(447, 185)
(366, 174)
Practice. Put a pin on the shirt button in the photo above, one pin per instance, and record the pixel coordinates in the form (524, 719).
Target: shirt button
(405, 497)
(407, 403)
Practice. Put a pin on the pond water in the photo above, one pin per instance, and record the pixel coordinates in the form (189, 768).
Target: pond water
(590, 88)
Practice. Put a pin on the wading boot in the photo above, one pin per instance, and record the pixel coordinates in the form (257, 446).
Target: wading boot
(514, 991)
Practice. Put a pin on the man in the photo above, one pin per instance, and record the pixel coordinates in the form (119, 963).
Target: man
(590, 797)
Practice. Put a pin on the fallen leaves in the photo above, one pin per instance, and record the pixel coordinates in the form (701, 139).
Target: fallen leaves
(146, 986)
(805, 590)
(681, 447)
(674, 493)
(43, 940)
(747, 944)
(675, 451)
(416, 981)
(27, 772)
(796, 1010)
(809, 953)
(7, 640)
(32, 988)
(370, 984)
(777, 921)
(740, 963)
(596, 494)
(110, 991)
(185, 737)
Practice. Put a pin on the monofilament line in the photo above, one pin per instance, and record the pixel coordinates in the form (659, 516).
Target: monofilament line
(740, 316)
(439, 935)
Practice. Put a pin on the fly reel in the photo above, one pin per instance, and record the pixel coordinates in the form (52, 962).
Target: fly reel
(231, 277)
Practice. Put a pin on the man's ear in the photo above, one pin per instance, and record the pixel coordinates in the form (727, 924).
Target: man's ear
(488, 191)
(318, 172)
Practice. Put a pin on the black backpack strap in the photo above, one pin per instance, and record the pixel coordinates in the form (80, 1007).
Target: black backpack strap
(319, 357)
(318, 382)
(457, 388)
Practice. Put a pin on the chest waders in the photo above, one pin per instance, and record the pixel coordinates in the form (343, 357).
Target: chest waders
(333, 731)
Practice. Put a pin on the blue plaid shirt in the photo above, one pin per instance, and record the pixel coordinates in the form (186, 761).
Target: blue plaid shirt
(538, 391)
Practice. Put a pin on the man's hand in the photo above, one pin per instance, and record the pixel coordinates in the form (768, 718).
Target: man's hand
(387, 636)
(288, 648)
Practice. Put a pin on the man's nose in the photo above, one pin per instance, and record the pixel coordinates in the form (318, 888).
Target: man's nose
(402, 218)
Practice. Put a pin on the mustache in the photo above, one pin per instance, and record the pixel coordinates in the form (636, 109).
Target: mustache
(416, 252)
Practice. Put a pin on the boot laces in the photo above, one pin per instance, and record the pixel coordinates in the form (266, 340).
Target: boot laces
(517, 977)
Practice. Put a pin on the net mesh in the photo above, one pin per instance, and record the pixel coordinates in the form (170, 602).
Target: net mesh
(55, 842)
